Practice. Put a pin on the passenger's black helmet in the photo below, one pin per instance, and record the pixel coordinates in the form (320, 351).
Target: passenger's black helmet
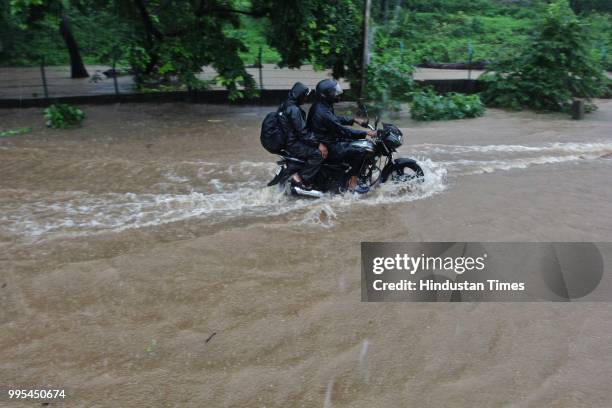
(298, 90)
(329, 90)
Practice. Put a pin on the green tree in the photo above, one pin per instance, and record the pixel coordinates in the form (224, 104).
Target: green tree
(559, 64)
(34, 14)
(324, 33)
(580, 6)
(174, 39)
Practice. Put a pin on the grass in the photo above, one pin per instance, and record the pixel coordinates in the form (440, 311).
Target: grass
(15, 132)
(252, 34)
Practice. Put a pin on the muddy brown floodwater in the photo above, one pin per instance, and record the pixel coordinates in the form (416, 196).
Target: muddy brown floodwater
(144, 263)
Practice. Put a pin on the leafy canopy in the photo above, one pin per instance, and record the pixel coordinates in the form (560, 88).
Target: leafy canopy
(559, 64)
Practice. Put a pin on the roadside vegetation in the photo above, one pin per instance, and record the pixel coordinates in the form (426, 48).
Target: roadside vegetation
(557, 65)
(427, 106)
(63, 116)
(165, 44)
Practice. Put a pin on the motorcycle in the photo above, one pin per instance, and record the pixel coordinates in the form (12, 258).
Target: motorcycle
(379, 165)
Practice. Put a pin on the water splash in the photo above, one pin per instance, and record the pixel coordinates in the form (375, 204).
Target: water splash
(226, 192)
(569, 147)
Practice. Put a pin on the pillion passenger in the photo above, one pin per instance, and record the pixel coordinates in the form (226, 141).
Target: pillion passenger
(300, 143)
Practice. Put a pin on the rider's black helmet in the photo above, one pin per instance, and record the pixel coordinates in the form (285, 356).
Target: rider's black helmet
(329, 90)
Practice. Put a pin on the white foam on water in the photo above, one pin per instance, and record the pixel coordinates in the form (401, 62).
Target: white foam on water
(81, 214)
(175, 178)
(472, 167)
(570, 147)
(238, 190)
(434, 183)
(510, 157)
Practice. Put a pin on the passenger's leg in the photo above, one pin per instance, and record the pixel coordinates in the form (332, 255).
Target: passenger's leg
(342, 152)
(313, 165)
(313, 159)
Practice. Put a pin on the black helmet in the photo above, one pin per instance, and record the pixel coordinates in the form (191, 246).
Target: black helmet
(329, 90)
(298, 90)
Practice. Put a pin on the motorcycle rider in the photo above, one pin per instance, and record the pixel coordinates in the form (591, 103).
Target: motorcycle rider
(300, 144)
(331, 130)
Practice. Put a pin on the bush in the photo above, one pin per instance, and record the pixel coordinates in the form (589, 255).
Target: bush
(63, 116)
(389, 81)
(429, 106)
(558, 65)
(389, 75)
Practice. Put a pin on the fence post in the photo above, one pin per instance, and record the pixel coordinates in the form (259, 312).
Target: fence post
(259, 59)
(44, 76)
(577, 109)
(470, 55)
(115, 72)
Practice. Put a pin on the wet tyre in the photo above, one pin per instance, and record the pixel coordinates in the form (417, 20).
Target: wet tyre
(409, 172)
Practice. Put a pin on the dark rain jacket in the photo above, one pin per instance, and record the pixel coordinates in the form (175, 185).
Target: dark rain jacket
(327, 127)
(292, 118)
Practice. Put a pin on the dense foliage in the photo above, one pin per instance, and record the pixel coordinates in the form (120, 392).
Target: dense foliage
(557, 65)
(324, 33)
(426, 105)
(389, 76)
(165, 43)
(174, 40)
(63, 116)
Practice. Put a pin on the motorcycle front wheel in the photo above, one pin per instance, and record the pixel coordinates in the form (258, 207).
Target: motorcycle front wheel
(407, 173)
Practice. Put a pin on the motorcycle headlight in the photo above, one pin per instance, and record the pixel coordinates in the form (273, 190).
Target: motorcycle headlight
(394, 137)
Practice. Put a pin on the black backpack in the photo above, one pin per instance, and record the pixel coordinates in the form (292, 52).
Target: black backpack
(273, 139)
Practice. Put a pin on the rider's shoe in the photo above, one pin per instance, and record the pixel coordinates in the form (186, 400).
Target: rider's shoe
(301, 184)
(362, 188)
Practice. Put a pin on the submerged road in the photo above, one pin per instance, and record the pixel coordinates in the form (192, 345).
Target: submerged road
(143, 262)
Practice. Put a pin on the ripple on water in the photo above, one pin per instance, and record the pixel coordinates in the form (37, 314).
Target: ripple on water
(239, 190)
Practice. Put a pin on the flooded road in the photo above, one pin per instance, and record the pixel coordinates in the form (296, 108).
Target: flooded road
(144, 262)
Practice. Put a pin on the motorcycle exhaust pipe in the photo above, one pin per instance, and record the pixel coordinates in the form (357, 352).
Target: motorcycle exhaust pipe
(307, 193)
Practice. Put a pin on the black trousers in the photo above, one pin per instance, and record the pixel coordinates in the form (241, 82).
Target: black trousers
(313, 158)
(342, 152)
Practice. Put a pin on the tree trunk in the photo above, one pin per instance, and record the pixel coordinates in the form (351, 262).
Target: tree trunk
(151, 35)
(77, 68)
(365, 56)
(385, 10)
